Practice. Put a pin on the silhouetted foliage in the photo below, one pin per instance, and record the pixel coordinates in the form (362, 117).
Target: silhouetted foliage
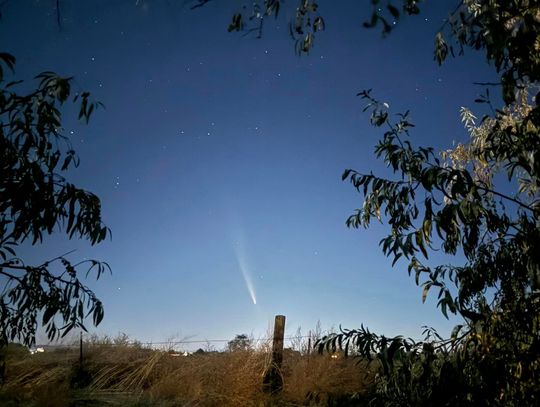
(493, 358)
(240, 342)
(36, 200)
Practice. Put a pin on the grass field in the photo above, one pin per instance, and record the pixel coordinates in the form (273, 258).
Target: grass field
(126, 375)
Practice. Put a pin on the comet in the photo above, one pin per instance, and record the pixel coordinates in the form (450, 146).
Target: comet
(240, 254)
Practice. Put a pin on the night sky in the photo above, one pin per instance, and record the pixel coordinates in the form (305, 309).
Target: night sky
(218, 160)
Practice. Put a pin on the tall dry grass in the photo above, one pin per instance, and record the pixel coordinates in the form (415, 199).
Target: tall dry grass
(126, 375)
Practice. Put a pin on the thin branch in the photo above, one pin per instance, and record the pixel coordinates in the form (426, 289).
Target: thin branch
(487, 83)
(58, 20)
(199, 4)
(452, 341)
(258, 30)
(525, 206)
(447, 20)
(57, 258)
(8, 275)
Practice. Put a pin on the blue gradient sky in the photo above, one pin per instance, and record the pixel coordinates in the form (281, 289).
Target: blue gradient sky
(214, 146)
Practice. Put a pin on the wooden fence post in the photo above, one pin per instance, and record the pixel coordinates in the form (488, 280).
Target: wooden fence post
(80, 352)
(309, 345)
(273, 380)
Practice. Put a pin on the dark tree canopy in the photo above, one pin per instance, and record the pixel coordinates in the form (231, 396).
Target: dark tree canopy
(241, 342)
(36, 200)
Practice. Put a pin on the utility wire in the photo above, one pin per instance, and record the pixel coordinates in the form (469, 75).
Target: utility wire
(288, 338)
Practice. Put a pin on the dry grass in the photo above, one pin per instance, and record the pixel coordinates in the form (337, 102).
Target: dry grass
(126, 375)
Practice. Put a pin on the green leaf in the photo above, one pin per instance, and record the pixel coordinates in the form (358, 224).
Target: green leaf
(393, 10)
(425, 291)
(373, 22)
(508, 87)
(50, 311)
(441, 48)
(420, 242)
(237, 23)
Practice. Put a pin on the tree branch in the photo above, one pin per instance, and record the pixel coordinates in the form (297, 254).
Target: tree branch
(525, 206)
(8, 275)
